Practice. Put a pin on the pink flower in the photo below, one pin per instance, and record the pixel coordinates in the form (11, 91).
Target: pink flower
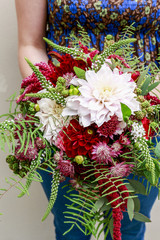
(66, 168)
(59, 141)
(58, 156)
(68, 77)
(116, 146)
(31, 153)
(124, 140)
(121, 170)
(102, 153)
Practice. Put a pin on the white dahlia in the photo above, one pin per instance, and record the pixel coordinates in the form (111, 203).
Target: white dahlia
(101, 95)
(50, 118)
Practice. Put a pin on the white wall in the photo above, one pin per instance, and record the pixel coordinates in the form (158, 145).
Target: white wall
(22, 217)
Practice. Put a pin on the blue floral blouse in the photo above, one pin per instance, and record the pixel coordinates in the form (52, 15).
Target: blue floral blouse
(103, 17)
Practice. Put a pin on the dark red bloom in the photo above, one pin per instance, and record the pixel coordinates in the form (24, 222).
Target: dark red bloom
(31, 83)
(67, 63)
(78, 140)
(153, 99)
(135, 75)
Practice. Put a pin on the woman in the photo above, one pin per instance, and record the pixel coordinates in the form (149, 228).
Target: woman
(99, 19)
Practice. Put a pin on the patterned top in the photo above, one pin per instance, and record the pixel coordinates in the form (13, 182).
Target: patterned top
(103, 17)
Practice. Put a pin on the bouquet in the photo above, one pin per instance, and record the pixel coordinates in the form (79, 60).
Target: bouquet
(88, 116)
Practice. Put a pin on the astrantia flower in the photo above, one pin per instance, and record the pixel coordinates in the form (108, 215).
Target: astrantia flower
(124, 140)
(30, 154)
(112, 127)
(50, 118)
(66, 168)
(102, 153)
(121, 170)
(101, 95)
(116, 146)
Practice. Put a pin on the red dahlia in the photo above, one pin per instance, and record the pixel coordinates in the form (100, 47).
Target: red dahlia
(78, 140)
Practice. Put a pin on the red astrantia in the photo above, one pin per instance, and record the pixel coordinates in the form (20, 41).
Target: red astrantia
(78, 140)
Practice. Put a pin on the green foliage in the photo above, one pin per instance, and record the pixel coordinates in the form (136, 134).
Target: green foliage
(88, 207)
(137, 186)
(79, 72)
(111, 49)
(54, 191)
(126, 112)
(130, 208)
(82, 36)
(157, 150)
(140, 217)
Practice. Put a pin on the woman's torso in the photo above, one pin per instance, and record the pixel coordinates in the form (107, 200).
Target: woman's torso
(102, 17)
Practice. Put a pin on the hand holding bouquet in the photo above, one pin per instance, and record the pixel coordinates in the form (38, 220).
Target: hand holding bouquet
(88, 116)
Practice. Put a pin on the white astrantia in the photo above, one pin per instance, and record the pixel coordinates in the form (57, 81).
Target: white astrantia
(101, 95)
(50, 118)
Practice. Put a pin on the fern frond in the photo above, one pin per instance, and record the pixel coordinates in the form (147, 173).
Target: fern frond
(110, 50)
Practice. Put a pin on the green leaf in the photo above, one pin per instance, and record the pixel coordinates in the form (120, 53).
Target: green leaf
(126, 111)
(142, 76)
(136, 204)
(111, 227)
(138, 186)
(145, 85)
(141, 218)
(157, 150)
(130, 208)
(99, 203)
(152, 86)
(79, 72)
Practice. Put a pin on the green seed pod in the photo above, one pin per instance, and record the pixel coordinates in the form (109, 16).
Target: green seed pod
(61, 80)
(65, 93)
(150, 110)
(138, 91)
(139, 115)
(15, 166)
(10, 159)
(140, 98)
(145, 104)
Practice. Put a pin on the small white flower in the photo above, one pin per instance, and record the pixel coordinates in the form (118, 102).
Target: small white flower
(137, 131)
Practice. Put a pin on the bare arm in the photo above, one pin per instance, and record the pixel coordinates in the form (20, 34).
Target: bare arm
(31, 17)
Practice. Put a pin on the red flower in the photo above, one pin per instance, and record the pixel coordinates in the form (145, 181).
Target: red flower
(145, 121)
(153, 99)
(135, 75)
(67, 63)
(78, 140)
(31, 83)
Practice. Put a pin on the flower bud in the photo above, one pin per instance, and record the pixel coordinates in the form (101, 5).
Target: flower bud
(139, 115)
(150, 110)
(36, 107)
(79, 159)
(145, 104)
(140, 98)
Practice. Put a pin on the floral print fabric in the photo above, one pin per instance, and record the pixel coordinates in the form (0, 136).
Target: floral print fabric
(102, 17)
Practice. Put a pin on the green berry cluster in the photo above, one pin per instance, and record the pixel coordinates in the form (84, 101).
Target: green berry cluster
(17, 166)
